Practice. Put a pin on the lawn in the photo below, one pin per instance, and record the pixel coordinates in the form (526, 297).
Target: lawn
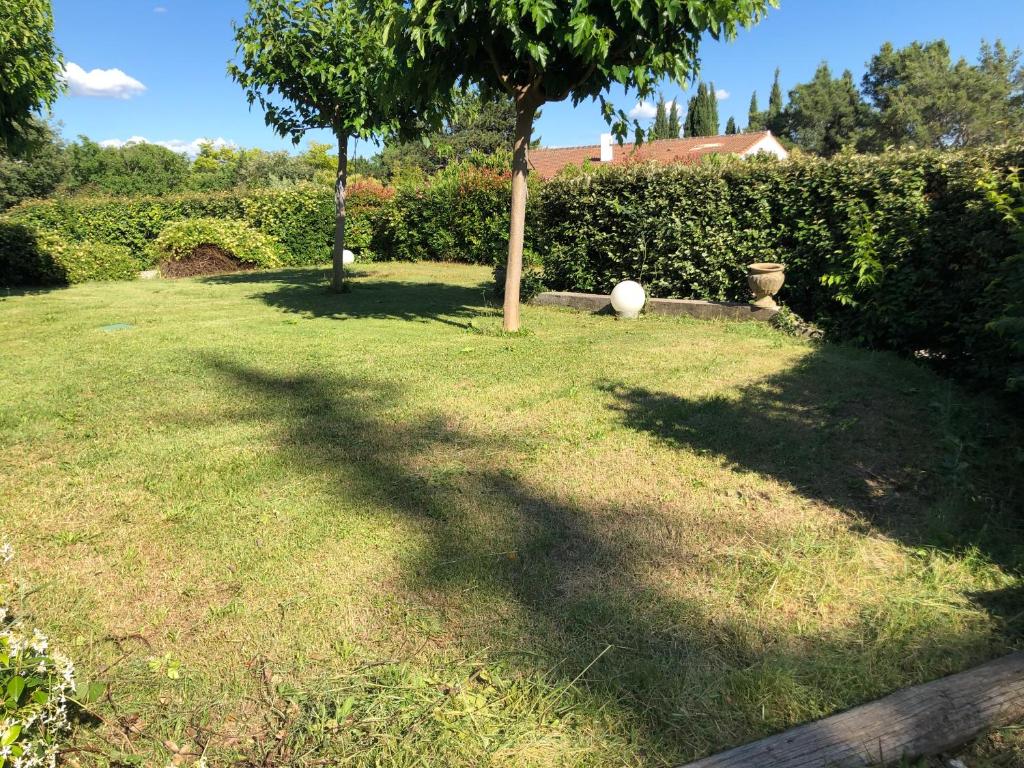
(287, 527)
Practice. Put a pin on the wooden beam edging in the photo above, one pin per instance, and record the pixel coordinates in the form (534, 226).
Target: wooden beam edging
(914, 722)
(705, 310)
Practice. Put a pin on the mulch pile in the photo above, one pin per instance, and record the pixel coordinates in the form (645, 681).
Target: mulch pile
(204, 260)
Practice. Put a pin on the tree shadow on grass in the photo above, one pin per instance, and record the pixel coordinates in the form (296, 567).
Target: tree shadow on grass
(678, 680)
(304, 292)
(887, 443)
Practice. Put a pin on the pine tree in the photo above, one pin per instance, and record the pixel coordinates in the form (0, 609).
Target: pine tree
(730, 126)
(660, 128)
(775, 100)
(674, 125)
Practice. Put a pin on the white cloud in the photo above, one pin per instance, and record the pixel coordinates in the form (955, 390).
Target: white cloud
(105, 83)
(721, 94)
(647, 110)
(160, 9)
(190, 148)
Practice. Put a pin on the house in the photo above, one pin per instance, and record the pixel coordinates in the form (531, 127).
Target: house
(547, 162)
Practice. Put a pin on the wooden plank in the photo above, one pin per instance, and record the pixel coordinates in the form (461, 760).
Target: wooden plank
(913, 722)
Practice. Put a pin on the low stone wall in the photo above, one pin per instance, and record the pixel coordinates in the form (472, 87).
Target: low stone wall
(705, 310)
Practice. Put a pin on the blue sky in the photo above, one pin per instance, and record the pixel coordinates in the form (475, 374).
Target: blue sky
(171, 84)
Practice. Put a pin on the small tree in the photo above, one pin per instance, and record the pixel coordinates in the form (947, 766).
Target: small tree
(775, 98)
(702, 115)
(540, 50)
(30, 68)
(319, 64)
(755, 118)
(730, 126)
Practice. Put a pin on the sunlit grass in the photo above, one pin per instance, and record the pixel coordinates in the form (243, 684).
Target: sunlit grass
(370, 529)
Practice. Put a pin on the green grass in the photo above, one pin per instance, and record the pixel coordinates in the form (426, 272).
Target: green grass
(289, 527)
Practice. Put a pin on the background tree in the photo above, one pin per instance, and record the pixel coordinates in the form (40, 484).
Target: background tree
(825, 115)
(660, 128)
(675, 125)
(38, 171)
(476, 127)
(539, 51)
(30, 67)
(730, 126)
(318, 64)
(775, 99)
(922, 98)
(702, 114)
(755, 118)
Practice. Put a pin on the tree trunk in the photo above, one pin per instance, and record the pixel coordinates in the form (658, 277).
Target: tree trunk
(338, 254)
(526, 110)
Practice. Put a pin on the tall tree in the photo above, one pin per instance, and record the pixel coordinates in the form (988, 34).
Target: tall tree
(30, 69)
(775, 98)
(321, 64)
(922, 98)
(675, 125)
(539, 51)
(755, 118)
(824, 115)
(730, 126)
(660, 128)
(702, 114)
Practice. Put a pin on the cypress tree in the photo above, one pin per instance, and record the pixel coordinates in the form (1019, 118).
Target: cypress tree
(775, 100)
(660, 128)
(755, 120)
(713, 122)
(674, 126)
(730, 126)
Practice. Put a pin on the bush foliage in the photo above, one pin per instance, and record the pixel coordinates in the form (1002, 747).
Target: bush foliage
(234, 237)
(32, 257)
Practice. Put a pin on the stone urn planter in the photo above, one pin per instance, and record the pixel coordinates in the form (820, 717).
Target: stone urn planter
(765, 279)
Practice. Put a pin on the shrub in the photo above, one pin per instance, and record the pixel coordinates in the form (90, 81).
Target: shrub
(28, 257)
(236, 238)
(36, 684)
(300, 217)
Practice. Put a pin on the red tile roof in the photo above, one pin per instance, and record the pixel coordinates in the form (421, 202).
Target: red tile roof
(547, 162)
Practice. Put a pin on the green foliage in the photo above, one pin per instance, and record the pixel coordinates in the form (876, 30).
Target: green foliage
(236, 238)
(134, 169)
(702, 114)
(462, 214)
(922, 98)
(35, 687)
(37, 171)
(541, 50)
(825, 115)
(477, 128)
(775, 98)
(730, 127)
(299, 217)
(29, 258)
(30, 67)
(755, 119)
(129, 222)
(896, 252)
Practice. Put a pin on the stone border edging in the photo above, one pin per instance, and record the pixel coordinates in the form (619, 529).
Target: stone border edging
(704, 310)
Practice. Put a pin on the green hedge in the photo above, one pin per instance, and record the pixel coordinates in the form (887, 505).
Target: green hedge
(903, 251)
(129, 222)
(30, 257)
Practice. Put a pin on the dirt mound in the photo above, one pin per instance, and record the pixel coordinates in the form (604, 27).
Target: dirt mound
(204, 260)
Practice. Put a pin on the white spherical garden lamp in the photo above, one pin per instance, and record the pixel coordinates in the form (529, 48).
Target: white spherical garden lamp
(628, 298)
(347, 257)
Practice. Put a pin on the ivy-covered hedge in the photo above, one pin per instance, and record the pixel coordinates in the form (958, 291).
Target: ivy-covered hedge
(904, 251)
(236, 238)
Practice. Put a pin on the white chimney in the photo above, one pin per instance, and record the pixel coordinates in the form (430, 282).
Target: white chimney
(606, 148)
